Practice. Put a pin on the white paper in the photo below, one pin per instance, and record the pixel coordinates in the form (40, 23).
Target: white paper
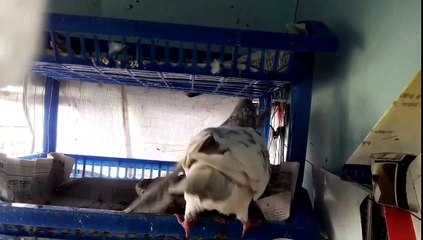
(5, 193)
(32, 181)
(277, 207)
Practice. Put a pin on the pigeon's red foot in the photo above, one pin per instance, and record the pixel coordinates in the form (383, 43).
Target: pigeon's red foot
(248, 224)
(187, 224)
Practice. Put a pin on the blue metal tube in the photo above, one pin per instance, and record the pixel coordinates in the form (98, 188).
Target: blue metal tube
(51, 105)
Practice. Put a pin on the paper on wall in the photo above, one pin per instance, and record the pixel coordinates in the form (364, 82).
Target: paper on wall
(399, 129)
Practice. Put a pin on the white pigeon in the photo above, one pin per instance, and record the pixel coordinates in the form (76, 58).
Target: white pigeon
(226, 167)
(157, 198)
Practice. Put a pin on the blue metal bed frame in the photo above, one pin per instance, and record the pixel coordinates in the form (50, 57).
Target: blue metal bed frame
(91, 35)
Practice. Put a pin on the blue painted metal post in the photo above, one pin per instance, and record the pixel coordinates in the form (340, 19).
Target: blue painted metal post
(265, 103)
(300, 115)
(51, 106)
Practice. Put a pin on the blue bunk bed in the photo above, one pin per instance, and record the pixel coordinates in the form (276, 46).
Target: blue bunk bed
(178, 58)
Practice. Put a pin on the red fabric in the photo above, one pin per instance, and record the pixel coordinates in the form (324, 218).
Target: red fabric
(399, 224)
(280, 112)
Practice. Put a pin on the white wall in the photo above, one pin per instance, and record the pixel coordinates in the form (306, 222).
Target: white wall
(380, 51)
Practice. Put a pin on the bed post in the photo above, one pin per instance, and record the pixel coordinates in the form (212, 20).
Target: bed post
(300, 114)
(51, 105)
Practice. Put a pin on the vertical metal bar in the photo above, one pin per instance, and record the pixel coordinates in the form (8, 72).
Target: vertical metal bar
(68, 46)
(101, 169)
(139, 52)
(194, 56)
(92, 171)
(208, 56)
(180, 54)
(276, 61)
(125, 50)
(97, 50)
(142, 172)
(300, 115)
(53, 44)
(82, 42)
(248, 63)
(167, 59)
(262, 60)
(75, 170)
(84, 162)
(222, 53)
(265, 103)
(235, 58)
(51, 106)
(153, 52)
(160, 169)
